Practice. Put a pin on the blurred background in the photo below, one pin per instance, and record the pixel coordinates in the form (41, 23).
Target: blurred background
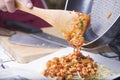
(55, 4)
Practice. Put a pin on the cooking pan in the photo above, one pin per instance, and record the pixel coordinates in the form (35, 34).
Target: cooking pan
(104, 26)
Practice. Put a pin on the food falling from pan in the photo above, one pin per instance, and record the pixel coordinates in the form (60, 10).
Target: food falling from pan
(75, 35)
(74, 66)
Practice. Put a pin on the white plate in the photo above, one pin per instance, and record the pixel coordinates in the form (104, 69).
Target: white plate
(39, 65)
(32, 70)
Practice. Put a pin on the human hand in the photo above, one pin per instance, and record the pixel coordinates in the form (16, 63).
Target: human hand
(9, 5)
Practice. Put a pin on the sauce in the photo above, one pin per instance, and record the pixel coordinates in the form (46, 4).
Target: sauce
(75, 36)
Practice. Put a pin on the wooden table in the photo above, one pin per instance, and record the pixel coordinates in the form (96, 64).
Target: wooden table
(25, 54)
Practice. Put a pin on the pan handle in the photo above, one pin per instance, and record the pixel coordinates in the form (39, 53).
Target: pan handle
(115, 45)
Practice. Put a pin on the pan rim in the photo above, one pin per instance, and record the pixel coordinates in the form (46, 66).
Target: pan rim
(90, 42)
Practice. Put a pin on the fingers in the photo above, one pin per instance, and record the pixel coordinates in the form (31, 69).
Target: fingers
(4, 9)
(10, 5)
(27, 3)
(2, 6)
(7, 5)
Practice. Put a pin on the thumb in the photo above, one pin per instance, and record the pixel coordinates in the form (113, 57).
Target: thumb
(27, 3)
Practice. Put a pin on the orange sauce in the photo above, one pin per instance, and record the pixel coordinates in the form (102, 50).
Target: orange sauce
(75, 36)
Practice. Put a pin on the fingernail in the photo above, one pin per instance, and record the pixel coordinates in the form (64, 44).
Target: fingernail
(29, 5)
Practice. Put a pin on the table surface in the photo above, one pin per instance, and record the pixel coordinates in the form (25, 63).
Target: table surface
(25, 53)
